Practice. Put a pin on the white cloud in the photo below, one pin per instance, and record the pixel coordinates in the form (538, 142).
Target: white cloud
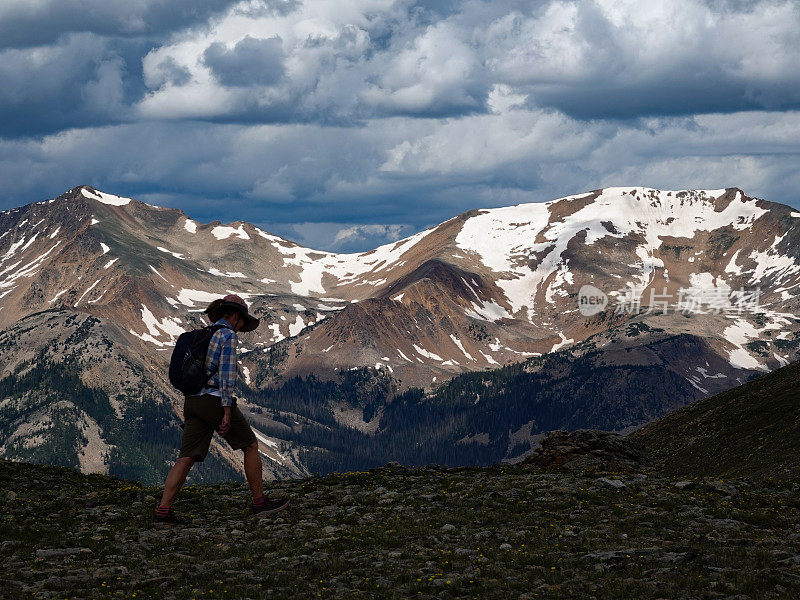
(405, 170)
(341, 237)
(586, 58)
(357, 232)
(348, 116)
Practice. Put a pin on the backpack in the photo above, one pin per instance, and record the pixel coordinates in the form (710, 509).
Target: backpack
(187, 367)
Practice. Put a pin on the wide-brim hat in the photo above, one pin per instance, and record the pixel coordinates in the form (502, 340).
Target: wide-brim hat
(219, 307)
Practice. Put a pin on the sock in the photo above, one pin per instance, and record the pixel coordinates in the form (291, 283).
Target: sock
(258, 502)
(162, 511)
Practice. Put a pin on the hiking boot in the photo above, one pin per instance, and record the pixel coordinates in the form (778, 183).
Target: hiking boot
(168, 519)
(270, 506)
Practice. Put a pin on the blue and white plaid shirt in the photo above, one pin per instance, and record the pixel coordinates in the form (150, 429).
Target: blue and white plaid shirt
(222, 352)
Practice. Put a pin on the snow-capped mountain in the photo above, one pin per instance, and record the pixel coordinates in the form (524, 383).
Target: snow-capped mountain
(486, 288)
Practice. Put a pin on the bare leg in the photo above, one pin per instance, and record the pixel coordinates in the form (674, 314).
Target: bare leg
(252, 469)
(175, 479)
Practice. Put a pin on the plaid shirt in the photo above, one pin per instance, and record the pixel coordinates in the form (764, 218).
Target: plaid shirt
(222, 352)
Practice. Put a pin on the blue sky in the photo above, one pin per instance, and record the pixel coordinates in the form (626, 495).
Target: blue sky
(347, 124)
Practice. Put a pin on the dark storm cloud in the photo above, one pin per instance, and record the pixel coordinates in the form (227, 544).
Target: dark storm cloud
(741, 60)
(251, 62)
(352, 123)
(595, 60)
(24, 23)
(700, 93)
(441, 59)
(77, 82)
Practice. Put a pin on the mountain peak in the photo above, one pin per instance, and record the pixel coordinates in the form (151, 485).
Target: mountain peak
(484, 289)
(508, 276)
(103, 197)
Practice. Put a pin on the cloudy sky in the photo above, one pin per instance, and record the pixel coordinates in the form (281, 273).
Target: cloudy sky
(343, 124)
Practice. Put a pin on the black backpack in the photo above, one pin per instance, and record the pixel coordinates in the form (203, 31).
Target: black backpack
(187, 367)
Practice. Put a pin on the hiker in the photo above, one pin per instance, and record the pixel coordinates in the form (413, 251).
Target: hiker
(214, 408)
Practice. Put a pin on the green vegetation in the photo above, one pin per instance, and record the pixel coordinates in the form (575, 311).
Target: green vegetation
(719, 242)
(565, 390)
(488, 533)
(143, 441)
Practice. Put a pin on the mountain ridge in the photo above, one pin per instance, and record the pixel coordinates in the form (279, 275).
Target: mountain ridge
(487, 288)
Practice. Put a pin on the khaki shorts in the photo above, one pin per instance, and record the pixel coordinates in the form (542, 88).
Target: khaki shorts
(202, 416)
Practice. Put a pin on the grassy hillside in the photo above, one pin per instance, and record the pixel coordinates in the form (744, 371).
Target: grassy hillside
(749, 431)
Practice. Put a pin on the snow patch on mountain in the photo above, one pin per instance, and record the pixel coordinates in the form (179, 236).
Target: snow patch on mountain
(188, 297)
(154, 270)
(458, 343)
(732, 267)
(89, 289)
(277, 336)
(705, 374)
(168, 325)
(57, 296)
(175, 254)
(269, 236)
(96, 300)
(344, 268)
(502, 237)
(488, 358)
(223, 232)
(706, 293)
(272, 446)
(329, 308)
(10, 282)
(427, 354)
(105, 198)
(219, 273)
(564, 342)
(488, 311)
(297, 326)
(771, 262)
(739, 334)
(19, 246)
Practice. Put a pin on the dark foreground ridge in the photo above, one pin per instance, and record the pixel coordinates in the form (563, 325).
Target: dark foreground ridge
(511, 531)
(749, 431)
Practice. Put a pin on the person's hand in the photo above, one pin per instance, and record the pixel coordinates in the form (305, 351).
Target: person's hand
(226, 420)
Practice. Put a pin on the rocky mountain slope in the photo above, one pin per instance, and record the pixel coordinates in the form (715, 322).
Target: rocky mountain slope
(485, 289)
(488, 287)
(614, 380)
(501, 532)
(77, 391)
(751, 430)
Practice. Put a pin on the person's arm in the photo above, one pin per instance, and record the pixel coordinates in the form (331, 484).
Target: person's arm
(228, 370)
(227, 374)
